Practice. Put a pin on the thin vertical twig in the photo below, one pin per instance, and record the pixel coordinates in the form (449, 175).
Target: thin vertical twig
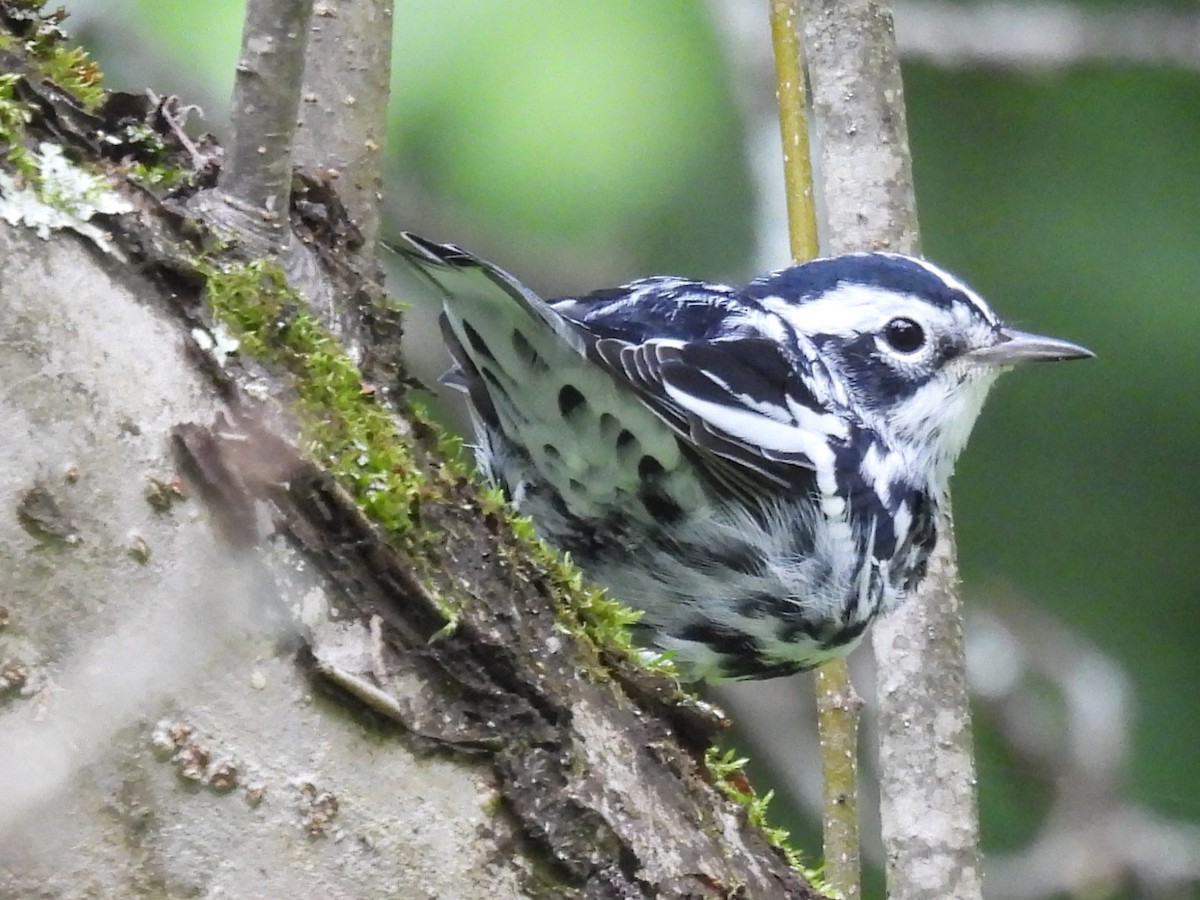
(837, 703)
(792, 95)
(838, 709)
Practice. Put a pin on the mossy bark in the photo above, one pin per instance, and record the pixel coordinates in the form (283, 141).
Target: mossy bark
(329, 620)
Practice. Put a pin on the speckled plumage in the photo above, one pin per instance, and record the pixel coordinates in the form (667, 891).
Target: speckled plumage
(759, 469)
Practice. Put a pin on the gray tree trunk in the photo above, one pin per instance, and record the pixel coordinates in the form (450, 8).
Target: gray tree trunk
(218, 675)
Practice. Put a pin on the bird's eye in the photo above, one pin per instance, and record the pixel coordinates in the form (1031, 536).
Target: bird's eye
(904, 335)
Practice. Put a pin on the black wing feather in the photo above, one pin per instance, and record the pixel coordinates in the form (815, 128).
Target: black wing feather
(693, 353)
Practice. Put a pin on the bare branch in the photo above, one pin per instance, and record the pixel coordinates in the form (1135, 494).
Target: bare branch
(343, 114)
(838, 710)
(838, 705)
(792, 96)
(256, 177)
(928, 812)
(927, 782)
(1065, 710)
(1046, 35)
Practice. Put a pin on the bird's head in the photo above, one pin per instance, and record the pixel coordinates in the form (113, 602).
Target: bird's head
(915, 349)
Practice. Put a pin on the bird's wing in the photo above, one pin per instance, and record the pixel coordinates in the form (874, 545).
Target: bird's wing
(486, 317)
(740, 398)
(725, 374)
(756, 407)
(542, 409)
(465, 282)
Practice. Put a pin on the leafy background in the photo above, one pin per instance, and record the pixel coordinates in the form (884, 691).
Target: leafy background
(579, 144)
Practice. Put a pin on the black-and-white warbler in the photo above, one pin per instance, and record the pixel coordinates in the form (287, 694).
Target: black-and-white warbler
(758, 469)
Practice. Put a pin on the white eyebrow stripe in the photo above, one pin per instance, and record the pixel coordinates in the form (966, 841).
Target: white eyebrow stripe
(848, 310)
(958, 285)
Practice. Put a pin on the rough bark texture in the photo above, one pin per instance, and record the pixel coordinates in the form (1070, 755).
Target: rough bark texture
(927, 774)
(219, 676)
(927, 805)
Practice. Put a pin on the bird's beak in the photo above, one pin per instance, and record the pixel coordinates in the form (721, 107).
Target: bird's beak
(1014, 347)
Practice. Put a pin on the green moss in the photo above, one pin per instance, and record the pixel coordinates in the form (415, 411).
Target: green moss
(450, 449)
(727, 771)
(150, 170)
(75, 71)
(451, 610)
(356, 439)
(14, 116)
(153, 175)
(585, 611)
(345, 430)
(69, 67)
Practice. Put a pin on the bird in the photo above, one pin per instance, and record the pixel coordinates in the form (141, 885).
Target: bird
(760, 470)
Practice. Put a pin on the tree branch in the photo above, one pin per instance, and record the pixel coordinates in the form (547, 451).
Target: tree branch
(837, 704)
(925, 750)
(1046, 35)
(343, 113)
(256, 177)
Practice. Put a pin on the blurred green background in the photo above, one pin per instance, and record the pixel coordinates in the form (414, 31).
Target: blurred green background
(578, 144)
